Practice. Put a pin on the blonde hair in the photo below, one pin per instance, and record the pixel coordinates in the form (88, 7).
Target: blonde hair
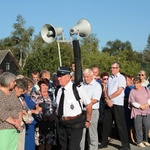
(142, 71)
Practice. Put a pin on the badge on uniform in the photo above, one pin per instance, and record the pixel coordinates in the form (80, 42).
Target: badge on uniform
(72, 106)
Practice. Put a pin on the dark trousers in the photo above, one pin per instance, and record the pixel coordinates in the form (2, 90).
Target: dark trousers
(115, 113)
(69, 135)
(69, 139)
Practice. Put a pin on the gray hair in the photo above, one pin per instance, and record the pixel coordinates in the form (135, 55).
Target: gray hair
(116, 64)
(22, 84)
(6, 78)
(43, 72)
(88, 71)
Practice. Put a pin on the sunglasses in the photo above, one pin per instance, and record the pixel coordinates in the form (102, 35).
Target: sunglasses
(141, 75)
(105, 78)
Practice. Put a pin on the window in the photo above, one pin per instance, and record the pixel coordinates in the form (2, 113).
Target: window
(7, 66)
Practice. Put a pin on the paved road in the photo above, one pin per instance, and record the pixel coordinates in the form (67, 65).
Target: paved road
(115, 144)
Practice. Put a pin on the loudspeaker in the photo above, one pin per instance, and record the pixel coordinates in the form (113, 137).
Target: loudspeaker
(83, 28)
(49, 33)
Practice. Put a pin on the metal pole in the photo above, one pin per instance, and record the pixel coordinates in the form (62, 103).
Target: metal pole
(59, 53)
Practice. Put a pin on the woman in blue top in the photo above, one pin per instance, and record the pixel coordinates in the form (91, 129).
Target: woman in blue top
(30, 128)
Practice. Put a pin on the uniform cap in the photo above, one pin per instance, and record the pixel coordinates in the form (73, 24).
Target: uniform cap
(63, 71)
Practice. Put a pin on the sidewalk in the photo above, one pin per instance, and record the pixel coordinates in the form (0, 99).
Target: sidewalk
(115, 144)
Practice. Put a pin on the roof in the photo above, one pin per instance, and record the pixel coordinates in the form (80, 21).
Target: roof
(3, 54)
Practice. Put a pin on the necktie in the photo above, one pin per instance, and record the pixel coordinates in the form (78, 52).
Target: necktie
(61, 104)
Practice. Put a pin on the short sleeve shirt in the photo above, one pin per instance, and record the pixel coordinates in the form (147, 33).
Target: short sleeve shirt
(94, 91)
(114, 82)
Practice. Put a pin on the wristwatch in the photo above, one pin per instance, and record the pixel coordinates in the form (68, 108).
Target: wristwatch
(88, 121)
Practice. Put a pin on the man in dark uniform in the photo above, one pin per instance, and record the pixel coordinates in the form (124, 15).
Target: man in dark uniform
(71, 120)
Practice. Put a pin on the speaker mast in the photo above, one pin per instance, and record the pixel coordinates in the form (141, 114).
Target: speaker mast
(82, 29)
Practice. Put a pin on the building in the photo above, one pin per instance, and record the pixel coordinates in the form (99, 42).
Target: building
(8, 62)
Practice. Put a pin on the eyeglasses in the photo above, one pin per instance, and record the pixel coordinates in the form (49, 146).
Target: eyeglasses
(141, 75)
(113, 67)
(105, 78)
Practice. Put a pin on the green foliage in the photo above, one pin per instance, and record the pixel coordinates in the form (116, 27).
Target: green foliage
(22, 38)
(116, 47)
(89, 44)
(45, 56)
(33, 53)
(146, 56)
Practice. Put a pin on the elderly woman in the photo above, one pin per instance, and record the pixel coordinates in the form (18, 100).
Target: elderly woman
(142, 76)
(10, 112)
(47, 132)
(19, 88)
(27, 136)
(139, 99)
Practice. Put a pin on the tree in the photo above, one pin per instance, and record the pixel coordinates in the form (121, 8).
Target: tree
(45, 56)
(116, 47)
(33, 53)
(6, 43)
(89, 47)
(23, 38)
(147, 50)
(146, 56)
(90, 43)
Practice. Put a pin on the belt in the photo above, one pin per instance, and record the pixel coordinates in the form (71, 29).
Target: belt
(69, 118)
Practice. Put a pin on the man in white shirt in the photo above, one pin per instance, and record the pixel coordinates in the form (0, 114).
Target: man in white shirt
(94, 90)
(71, 121)
(115, 110)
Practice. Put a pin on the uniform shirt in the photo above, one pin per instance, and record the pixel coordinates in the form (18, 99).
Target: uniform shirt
(114, 82)
(94, 91)
(71, 105)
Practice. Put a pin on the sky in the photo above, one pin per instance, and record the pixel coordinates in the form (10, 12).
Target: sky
(125, 20)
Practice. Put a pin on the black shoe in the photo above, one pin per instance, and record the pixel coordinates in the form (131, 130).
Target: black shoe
(102, 146)
(125, 148)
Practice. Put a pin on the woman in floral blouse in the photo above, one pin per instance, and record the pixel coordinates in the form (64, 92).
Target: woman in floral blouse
(46, 127)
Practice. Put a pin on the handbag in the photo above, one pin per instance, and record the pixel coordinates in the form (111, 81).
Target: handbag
(27, 118)
(45, 115)
(37, 117)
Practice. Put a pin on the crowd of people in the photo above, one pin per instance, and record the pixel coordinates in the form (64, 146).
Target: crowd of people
(45, 112)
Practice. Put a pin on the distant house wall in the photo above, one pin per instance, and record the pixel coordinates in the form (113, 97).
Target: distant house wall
(9, 65)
